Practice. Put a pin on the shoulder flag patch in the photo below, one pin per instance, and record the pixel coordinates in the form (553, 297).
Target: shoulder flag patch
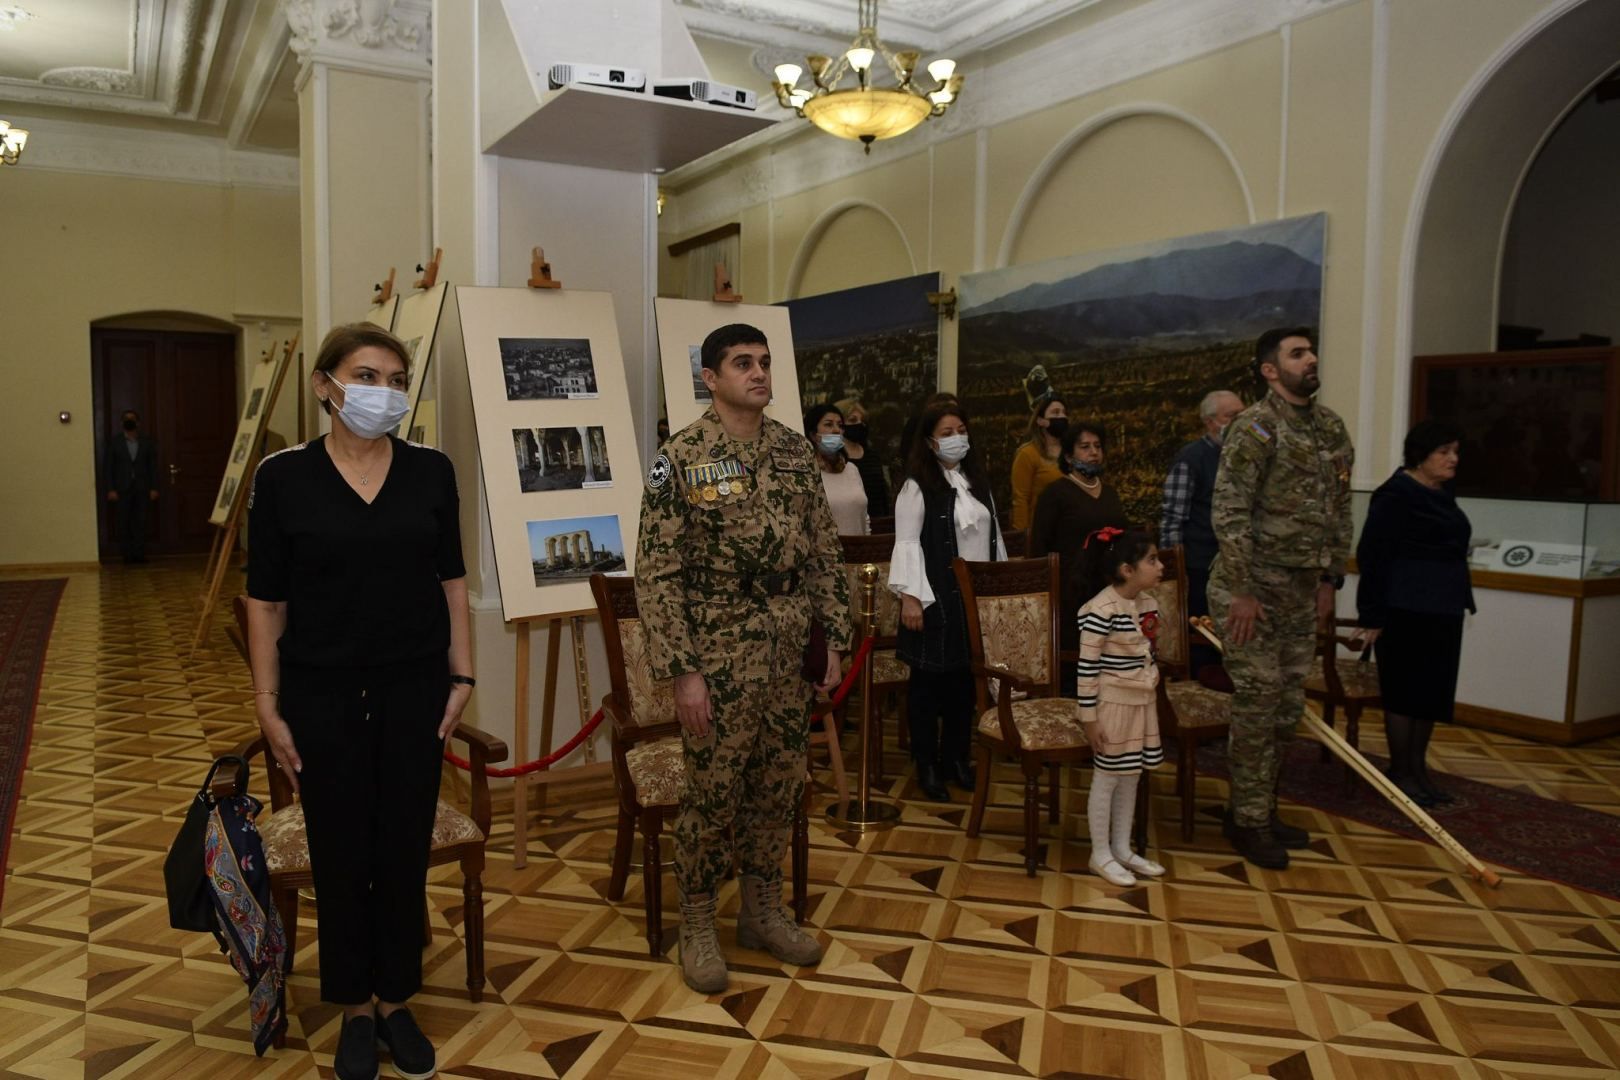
(1260, 431)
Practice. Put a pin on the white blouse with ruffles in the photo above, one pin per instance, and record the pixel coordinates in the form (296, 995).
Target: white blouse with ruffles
(908, 573)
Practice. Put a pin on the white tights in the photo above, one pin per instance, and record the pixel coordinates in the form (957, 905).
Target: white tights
(1110, 811)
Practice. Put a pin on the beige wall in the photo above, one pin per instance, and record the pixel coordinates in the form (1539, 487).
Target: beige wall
(85, 247)
(1344, 112)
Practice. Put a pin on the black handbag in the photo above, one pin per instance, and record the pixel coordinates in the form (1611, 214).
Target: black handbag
(185, 880)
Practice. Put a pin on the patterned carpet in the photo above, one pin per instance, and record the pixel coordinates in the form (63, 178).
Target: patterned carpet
(1371, 957)
(1545, 837)
(27, 609)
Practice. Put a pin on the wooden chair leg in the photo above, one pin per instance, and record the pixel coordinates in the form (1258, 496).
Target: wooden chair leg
(472, 921)
(652, 881)
(1032, 816)
(1186, 784)
(427, 923)
(623, 837)
(981, 791)
(1352, 735)
(1054, 773)
(801, 857)
(1328, 709)
(286, 901)
(903, 720)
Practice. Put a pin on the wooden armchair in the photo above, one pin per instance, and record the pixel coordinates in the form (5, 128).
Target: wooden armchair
(1189, 713)
(648, 762)
(1343, 682)
(890, 674)
(457, 837)
(1012, 618)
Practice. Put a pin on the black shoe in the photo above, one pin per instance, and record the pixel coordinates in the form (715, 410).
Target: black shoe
(356, 1057)
(932, 785)
(1259, 846)
(1289, 836)
(960, 773)
(1413, 791)
(1441, 796)
(413, 1054)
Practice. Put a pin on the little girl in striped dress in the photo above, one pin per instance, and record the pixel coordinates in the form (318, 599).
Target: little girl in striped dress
(1117, 687)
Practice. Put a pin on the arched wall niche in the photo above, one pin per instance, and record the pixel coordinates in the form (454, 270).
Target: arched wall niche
(1131, 174)
(180, 321)
(1462, 204)
(851, 243)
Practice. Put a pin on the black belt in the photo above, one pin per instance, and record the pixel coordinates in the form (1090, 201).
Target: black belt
(750, 584)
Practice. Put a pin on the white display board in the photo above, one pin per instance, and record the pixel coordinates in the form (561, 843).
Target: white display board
(264, 382)
(383, 314)
(682, 326)
(555, 442)
(416, 323)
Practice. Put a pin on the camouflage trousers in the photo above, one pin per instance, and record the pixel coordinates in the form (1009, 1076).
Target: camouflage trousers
(1268, 678)
(747, 776)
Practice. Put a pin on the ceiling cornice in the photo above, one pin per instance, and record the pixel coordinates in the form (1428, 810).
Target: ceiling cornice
(66, 146)
(932, 26)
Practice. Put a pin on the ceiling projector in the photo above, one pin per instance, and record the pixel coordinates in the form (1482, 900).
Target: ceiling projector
(613, 78)
(703, 90)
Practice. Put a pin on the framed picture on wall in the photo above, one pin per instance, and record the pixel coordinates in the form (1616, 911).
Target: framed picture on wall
(682, 326)
(1537, 424)
(552, 408)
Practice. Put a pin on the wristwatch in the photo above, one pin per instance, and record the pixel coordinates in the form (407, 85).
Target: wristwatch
(464, 680)
(1335, 580)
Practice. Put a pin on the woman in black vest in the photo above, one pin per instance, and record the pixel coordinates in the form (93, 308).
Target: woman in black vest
(1414, 588)
(943, 510)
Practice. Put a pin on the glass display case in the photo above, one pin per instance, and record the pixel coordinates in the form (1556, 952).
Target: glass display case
(1538, 539)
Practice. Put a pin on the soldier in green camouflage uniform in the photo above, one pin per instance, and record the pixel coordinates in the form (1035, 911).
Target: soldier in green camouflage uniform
(737, 554)
(1281, 511)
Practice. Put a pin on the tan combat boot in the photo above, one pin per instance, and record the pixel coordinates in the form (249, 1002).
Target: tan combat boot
(763, 924)
(702, 965)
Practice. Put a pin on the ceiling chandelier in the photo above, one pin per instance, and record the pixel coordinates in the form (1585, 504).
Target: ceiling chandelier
(12, 141)
(864, 111)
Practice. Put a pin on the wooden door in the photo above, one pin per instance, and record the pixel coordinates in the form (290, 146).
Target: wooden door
(183, 385)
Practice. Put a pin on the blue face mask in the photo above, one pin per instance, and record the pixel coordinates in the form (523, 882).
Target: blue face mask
(830, 443)
(1089, 468)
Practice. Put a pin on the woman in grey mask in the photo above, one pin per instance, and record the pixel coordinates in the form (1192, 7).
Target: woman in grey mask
(1069, 511)
(359, 640)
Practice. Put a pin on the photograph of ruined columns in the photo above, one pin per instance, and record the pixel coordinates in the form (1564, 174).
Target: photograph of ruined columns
(570, 549)
(562, 458)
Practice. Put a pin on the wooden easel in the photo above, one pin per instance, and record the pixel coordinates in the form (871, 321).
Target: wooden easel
(430, 273)
(381, 294)
(723, 293)
(233, 520)
(592, 769)
(540, 271)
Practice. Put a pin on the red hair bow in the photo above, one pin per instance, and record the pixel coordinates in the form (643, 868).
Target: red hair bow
(1106, 534)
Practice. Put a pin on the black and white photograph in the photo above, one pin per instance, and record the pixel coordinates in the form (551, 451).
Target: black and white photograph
(548, 369)
(227, 492)
(572, 549)
(699, 390)
(562, 458)
(255, 399)
(243, 442)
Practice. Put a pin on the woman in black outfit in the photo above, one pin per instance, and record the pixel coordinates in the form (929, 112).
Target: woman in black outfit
(943, 510)
(1414, 589)
(358, 634)
(1068, 511)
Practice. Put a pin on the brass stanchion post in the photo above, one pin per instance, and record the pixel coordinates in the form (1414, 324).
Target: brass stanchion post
(862, 813)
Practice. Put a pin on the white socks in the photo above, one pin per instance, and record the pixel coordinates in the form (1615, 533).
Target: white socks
(1120, 833)
(1099, 808)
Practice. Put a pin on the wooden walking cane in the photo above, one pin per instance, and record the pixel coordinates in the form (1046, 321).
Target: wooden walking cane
(1381, 783)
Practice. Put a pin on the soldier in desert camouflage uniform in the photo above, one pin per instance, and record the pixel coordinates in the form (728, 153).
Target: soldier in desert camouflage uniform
(1281, 511)
(737, 554)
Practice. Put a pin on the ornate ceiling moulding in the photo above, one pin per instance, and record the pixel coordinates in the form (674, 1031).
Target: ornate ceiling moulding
(386, 37)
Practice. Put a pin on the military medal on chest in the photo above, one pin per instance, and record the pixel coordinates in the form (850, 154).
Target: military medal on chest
(715, 480)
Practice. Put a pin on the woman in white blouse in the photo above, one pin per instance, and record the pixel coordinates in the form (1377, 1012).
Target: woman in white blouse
(846, 494)
(944, 509)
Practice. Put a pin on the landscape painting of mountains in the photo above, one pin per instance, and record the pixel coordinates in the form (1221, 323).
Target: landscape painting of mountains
(1133, 337)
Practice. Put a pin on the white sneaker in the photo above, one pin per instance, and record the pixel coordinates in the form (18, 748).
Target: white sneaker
(1110, 871)
(1138, 865)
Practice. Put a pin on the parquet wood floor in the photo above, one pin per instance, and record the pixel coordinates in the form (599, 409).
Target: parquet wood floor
(1372, 957)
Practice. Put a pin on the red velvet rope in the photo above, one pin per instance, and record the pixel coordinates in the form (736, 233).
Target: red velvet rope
(585, 732)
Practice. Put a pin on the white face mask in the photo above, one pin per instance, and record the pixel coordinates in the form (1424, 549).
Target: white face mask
(831, 443)
(371, 411)
(952, 448)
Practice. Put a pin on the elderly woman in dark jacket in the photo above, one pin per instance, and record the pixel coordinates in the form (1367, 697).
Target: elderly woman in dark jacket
(1414, 589)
